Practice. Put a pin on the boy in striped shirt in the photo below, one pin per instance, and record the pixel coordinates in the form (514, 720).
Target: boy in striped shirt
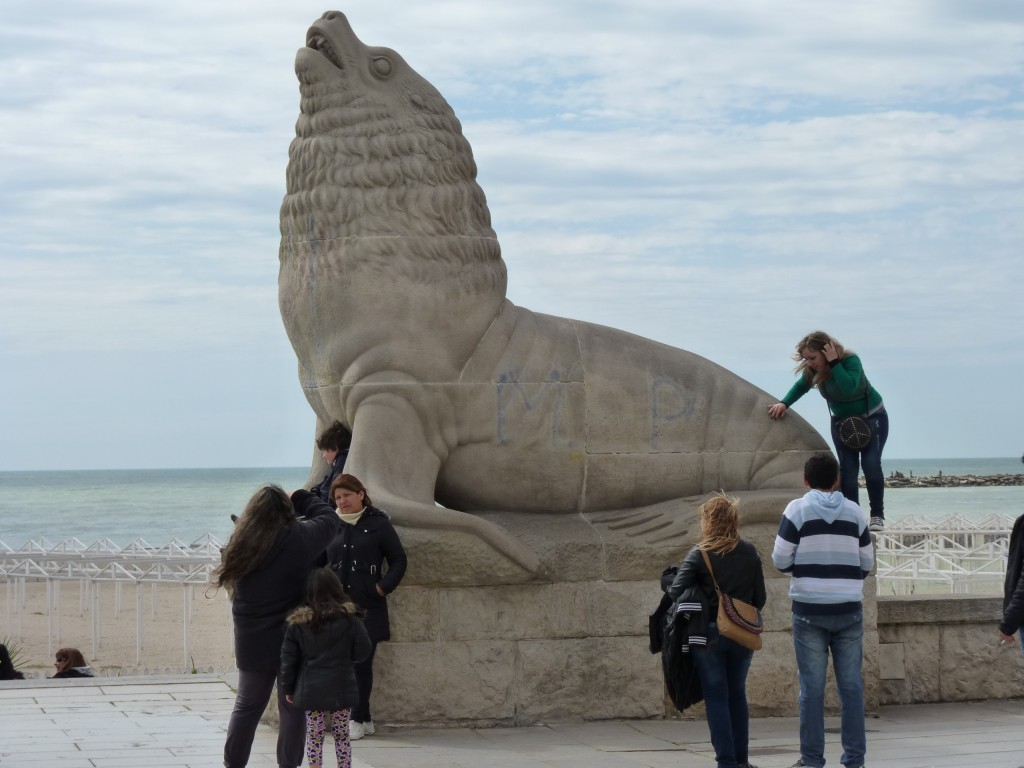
(824, 544)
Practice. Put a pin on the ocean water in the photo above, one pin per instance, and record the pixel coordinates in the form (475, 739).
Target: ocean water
(158, 505)
(936, 503)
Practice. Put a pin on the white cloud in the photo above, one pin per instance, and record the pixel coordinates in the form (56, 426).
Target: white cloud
(719, 179)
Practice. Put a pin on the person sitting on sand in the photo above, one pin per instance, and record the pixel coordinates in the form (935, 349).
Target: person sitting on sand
(71, 663)
(7, 670)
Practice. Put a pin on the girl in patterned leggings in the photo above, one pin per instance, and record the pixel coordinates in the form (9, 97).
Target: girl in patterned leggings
(323, 640)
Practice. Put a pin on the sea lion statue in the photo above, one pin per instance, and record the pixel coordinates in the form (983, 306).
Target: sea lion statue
(392, 291)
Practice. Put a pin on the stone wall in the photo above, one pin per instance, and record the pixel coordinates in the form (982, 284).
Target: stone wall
(576, 647)
(945, 648)
(570, 650)
(526, 654)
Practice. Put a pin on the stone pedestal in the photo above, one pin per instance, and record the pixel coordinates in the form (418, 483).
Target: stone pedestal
(575, 646)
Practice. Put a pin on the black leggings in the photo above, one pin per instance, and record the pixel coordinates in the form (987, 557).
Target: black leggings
(364, 679)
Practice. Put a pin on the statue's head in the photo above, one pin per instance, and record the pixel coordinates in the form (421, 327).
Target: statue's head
(388, 258)
(378, 151)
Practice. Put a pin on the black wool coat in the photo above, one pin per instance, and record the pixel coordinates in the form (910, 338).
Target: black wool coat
(357, 555)
(264, 598)
(317, 667)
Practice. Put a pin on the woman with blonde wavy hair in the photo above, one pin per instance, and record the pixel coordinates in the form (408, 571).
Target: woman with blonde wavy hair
(723, 665)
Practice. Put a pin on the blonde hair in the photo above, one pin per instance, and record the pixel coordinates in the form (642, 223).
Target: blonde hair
(816, 341)
(720, 529)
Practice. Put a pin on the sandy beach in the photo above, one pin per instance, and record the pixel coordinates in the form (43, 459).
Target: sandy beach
(164, 650)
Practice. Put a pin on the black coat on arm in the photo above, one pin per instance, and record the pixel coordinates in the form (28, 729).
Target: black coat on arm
(1013, 589)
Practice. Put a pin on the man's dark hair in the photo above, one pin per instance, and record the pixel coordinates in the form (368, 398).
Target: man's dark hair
(821, 471)
(335, 438)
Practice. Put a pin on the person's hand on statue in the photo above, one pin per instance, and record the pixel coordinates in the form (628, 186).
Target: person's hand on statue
(778, 410)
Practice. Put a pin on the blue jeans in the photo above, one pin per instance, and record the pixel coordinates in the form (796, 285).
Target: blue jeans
(870, 460)
(813, 638)
(722, 669)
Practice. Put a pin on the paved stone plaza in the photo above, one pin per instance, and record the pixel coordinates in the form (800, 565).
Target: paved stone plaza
(180, 721)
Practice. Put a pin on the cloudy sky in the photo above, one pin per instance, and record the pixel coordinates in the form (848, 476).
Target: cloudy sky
(721, 177)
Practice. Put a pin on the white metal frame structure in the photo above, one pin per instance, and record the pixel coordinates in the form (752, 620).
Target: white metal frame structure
(138, 563)
(915, 555)
(952, 555)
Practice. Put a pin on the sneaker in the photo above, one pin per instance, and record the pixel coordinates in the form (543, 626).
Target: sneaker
(876, 524)
(801, 764)
(368, 728)
(355, 730)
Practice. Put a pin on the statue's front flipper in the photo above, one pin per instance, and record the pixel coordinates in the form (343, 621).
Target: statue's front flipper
(393, 457)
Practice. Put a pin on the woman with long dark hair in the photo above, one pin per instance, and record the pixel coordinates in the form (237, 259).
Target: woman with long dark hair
(366, 541)
(264, 567)
(723, 665)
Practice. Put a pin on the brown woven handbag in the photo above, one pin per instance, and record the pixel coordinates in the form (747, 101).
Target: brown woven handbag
(737, 620)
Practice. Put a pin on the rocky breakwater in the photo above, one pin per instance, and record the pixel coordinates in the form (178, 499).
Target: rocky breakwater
(899, 480)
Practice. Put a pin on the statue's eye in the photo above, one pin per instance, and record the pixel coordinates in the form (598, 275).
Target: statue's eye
(381, 66)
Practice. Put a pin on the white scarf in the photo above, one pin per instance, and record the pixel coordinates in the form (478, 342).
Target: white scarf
(353, 518)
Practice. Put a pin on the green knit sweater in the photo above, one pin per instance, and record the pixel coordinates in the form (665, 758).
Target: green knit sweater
(843, 391)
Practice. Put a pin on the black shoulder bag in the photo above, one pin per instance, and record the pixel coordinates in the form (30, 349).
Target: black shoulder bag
(854, 431)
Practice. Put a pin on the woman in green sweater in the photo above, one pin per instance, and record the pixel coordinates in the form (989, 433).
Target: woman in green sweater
(838, 374)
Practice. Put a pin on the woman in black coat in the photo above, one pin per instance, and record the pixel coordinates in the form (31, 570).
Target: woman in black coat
(264, 568)
(365, 542)
(71, 663)
(723, 666)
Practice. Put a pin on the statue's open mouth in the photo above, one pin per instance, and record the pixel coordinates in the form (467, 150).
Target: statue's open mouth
(316, 40)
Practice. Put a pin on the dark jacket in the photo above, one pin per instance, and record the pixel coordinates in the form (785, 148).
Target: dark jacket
(76, 672)
(683, 627)
(357, 555)
(322, 490)
(1013, 589)
(264, 598)
(739, 575)
(316, 667)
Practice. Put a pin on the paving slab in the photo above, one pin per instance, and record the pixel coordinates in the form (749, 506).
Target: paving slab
(181, 721)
